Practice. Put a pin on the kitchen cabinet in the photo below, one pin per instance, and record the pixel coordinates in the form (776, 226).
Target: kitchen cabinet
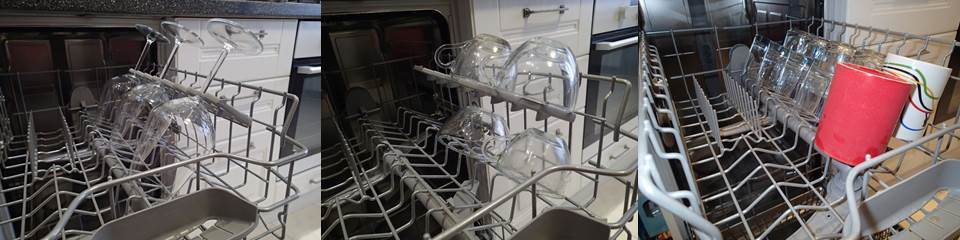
(505, 18)
(609, 15)
(278, 38)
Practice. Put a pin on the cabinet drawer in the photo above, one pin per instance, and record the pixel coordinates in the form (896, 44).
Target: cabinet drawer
(512, 13)
(275, 60)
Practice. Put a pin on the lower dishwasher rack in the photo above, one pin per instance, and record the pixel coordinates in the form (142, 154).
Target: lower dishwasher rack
(396, 179)
(739, 163)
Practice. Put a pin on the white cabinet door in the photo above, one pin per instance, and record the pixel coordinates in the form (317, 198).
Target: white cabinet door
(937, 18)
(609, 15)
(308, 40)
(505, 18)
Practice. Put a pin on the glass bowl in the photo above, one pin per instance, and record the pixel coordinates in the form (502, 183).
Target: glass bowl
(474, 132)
(477, 58)
(542, 69)
(137, 103)
(532, 151)
(184, 125)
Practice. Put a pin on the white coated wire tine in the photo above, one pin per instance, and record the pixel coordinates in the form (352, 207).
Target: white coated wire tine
(853, 37)
(886, 36)
(902, 43)
(820, 29)
(867, 39)
(843, 31)
(946, 57)
(926, 43)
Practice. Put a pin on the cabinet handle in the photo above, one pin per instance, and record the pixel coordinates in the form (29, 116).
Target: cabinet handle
(261, 34)
(618, 155)
(308, 69)
(527, 11)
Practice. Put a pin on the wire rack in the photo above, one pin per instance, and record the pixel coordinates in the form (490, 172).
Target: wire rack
(70, 179)
(745, 165)
(391, 168)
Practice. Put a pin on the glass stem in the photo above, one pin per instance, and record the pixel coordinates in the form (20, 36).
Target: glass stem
(216, 67)
(166, 66)
(142, 53)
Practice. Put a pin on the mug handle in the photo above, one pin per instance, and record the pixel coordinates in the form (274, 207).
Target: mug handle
(447, 47)
(494, 64)
(492, 148)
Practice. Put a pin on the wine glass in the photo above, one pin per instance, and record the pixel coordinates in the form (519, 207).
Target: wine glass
(117, 86)
(186, 123)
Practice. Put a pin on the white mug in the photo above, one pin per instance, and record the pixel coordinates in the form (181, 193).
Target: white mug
(931, 79)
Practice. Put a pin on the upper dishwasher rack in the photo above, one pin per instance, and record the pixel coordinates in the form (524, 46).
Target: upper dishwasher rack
(747, 155)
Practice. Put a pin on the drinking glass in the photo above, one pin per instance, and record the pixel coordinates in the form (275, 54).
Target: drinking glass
(813, 92)
(542, 69)
(470, 130)
(180, 35)
(869, 58)
(136, 104)
(751, 72)
(151, 37)
(116, 87)
(142, 99)
(187, 123)
(797, 40)
(818, 49)
(532, 151)
(790, 71)
(476, 58)
(183, 124)
(773, 56)
(838, 53)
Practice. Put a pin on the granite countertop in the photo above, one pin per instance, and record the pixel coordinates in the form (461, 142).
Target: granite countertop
(165, 8)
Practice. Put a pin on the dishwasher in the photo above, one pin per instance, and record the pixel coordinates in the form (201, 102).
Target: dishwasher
(69, 171)
(725, 157)
(389, 174)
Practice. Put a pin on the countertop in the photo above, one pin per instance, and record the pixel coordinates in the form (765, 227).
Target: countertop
(163, 8)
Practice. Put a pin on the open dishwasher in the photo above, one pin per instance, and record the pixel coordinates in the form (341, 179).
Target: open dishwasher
(388, 174)
(729, 158)
(209, 170)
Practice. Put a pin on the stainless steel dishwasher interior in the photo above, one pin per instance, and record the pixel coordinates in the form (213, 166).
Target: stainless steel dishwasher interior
(68, 172)
(370, 84)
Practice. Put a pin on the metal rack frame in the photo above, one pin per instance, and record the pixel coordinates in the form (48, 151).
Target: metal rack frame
(771, 132)
(114, 185)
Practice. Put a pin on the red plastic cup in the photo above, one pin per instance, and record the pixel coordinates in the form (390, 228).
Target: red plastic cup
(861, 111)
